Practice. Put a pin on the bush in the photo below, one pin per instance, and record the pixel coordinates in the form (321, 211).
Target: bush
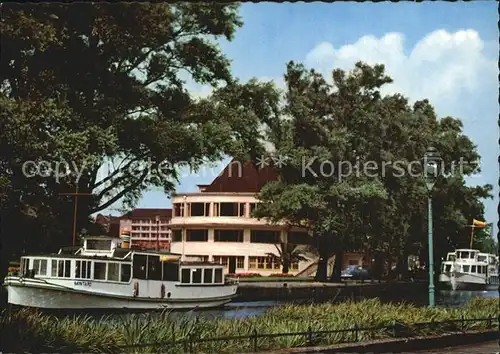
(282, 275)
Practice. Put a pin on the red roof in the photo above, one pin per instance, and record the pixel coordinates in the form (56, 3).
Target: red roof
(148, 213)
(240, 177)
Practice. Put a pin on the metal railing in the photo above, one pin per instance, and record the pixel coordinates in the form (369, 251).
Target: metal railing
(311, 337)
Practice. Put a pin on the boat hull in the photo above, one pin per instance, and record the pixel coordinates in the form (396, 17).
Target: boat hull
(34, 294)
(464, 281)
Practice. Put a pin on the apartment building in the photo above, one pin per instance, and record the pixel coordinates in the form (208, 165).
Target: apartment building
(215, 223)
(149, 228)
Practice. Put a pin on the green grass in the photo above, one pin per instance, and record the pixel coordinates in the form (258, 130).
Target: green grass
(27, 330)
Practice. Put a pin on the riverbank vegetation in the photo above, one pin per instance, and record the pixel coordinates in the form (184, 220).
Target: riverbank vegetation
(27, 330)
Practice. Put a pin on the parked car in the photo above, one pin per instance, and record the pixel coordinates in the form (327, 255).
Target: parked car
(355, 272)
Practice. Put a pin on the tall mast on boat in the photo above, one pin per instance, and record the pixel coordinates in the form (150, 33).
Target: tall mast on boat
(75, 194)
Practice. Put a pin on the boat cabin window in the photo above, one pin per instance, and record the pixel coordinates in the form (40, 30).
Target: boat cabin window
(492, 260)
(154, 268)
(100, 270)
(125, 274)
(170, 271)
(473, 269)
(24, 265)
(466, 268)
(218, 275)
(451, 257)
(447, 267)
(63, 269)
(99, 245)
(82, 269)
(149, 267)
(140, 264)
(113, 271)
(186, 276)
(197, 273)
(208, 275)
(481, 258)
(39, 266)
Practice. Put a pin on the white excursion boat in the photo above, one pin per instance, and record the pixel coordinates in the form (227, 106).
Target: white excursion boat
(104, 275)
(468, 269)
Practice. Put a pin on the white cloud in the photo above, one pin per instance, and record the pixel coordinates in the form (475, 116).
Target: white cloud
(457, 72)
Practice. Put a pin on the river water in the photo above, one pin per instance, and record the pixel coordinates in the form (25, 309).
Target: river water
(443, 298)
(235, 310)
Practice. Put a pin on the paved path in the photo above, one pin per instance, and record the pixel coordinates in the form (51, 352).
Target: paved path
(479, 348)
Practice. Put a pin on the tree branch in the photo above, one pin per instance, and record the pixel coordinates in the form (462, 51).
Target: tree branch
(122, 193)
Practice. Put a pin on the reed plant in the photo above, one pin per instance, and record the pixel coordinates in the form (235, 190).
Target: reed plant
(28, 330)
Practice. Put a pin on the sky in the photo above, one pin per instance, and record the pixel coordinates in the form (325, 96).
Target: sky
(446, 52)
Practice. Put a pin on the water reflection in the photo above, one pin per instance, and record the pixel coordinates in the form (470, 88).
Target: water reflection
(238, 310)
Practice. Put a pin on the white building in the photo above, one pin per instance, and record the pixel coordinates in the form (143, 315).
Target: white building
(214, 224)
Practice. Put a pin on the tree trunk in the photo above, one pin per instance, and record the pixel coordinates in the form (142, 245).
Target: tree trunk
(286, 266)
(321, 272)
(402, 265)
(337, 268)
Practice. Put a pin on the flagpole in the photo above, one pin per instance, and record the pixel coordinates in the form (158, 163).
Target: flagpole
(471, 235)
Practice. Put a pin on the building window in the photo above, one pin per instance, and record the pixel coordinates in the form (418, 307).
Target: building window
(224, 261)
(229, 209)
(199, 209)
(264, 236)
(178, 209)
(135, 228)
(252, 208)
(299, 238)
(177, 235)
(135, 234)
(197, 235)
(263, 263)
(228, 235)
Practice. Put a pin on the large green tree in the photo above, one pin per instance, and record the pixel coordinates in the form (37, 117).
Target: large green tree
(100, 90)
(375, 195)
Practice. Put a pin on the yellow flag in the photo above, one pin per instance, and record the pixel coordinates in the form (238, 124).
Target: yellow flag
(478, 223)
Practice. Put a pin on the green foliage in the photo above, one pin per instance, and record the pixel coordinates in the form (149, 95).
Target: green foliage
(103, 88)
(27, 330)
(353, 173)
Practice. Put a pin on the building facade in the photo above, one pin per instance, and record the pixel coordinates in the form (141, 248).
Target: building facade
(215, 224)
(149, 228)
